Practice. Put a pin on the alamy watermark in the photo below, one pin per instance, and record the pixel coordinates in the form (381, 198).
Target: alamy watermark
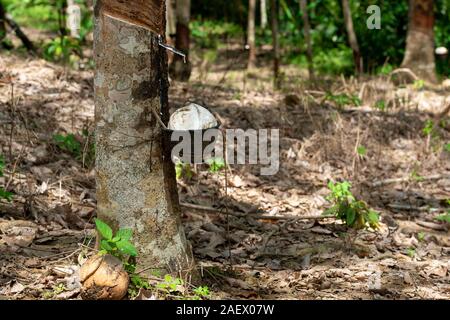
(74, 19)
(374, 21)
(237, 146)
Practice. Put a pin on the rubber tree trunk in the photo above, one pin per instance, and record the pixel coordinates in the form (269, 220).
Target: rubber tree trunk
(251, 34)
(263, 8)
(135, 177)
(352, 39)
(61, 7)
(419, 55)
(275, 41)
(307, 33)
(178, 69)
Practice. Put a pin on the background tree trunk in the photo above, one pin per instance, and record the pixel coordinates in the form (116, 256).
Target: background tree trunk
(307, 32)
(352, 39)
(251, 34)
(263, 14)
(171, 27)
(178, 69)
(135, 176)
(276, 45)
(419, 55)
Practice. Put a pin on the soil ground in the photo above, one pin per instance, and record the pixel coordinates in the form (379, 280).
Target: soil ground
(45, 229)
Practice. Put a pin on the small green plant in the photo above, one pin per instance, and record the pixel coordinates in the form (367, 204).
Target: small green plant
(342, 100)
(137, 283)
(118, 245)
(82, 148)
(362, 151)
(411, 252)
(3, 193)
(170, 284)
(201, 292)
(183, 170)
(237, 96)
(59, 288)
(421, 236)
(416, 176)
(215, 164)
(355, 213)
(68, 143)
(447, 147)
(419, 84)
(428, 129)
(386, 69)
(61, 49)
(444, 217)
(381, 105)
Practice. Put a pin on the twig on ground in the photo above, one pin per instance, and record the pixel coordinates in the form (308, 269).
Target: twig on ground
(408, 178)
(431, 225)
(255, 215)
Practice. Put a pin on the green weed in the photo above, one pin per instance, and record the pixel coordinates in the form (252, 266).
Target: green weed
(356, 214)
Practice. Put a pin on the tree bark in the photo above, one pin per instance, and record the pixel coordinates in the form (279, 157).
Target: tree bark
(178, 69)
(61, 7)
(419, 55)
(251, 34)
(135, 176)
(352, 39)
(276, 46)
(264, 19)
(307, 33)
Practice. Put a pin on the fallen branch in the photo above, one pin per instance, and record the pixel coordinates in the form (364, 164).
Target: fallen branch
(408, 207)
(432, 226)
(407, 179)
(20, 34)
(254, 214)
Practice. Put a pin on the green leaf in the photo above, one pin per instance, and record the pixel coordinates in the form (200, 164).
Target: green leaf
(444, 217)
(115, 239)
(374, 219)
(447, 147)
(362, 151)
(104, 230)
(351, 216)
(124, 234)
(216, 164)
(5, 195)
(373, 216)
(127, 248)
(106, 246)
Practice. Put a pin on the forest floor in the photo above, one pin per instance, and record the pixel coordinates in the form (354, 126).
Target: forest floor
(43, 230)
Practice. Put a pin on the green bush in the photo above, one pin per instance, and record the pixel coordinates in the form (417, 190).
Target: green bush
(208, 34)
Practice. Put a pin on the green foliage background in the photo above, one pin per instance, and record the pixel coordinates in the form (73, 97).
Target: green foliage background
(213, 24)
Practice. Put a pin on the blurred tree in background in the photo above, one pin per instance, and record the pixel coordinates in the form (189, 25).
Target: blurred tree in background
(211, 25)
